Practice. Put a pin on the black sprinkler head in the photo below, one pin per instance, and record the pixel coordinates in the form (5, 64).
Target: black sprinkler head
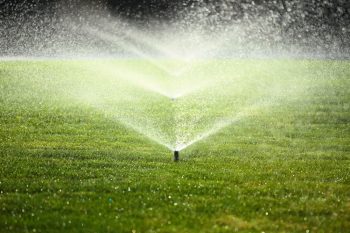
(176, 156)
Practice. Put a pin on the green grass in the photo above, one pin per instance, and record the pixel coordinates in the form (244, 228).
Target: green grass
(75, 153)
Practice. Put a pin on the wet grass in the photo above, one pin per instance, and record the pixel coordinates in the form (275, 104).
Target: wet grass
(68, 164)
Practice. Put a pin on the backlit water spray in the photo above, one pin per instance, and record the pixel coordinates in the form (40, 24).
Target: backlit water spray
(181, 80)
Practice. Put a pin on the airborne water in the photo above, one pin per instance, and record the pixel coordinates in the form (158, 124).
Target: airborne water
(192, 64)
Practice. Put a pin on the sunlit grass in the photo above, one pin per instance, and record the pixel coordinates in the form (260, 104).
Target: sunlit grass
(80, 152)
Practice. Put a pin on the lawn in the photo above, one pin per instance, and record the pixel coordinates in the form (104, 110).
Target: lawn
(86, 145)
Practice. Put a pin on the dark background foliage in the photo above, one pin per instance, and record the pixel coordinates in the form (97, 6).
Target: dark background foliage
(330, 11)
(325, 20)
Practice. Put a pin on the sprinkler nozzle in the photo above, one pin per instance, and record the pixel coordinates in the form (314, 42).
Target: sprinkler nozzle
(176, 156)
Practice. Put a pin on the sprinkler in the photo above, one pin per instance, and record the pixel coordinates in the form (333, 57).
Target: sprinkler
(176, 156)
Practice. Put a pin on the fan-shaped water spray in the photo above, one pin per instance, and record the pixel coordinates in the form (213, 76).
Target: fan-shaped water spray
(192, 61)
